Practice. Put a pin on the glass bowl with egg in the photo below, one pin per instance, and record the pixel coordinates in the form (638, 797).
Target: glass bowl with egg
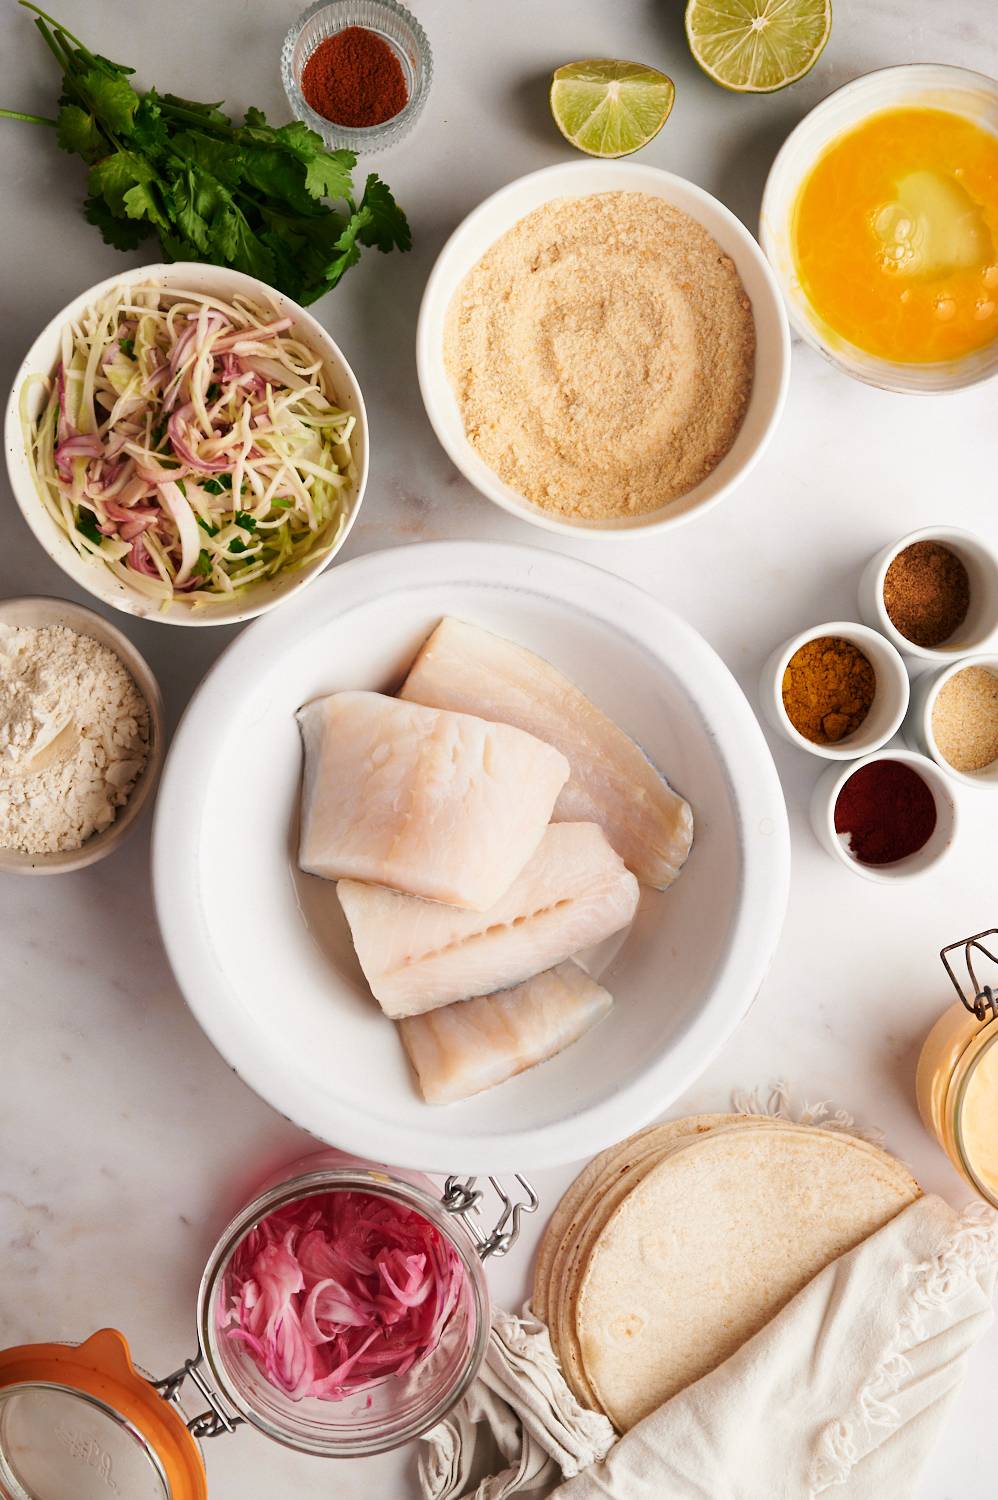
(880, 219)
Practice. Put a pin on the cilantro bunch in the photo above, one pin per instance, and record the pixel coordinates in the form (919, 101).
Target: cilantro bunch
(249, 196)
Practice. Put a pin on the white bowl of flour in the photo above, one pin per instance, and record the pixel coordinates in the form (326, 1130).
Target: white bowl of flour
(81, 736)
(587, 355)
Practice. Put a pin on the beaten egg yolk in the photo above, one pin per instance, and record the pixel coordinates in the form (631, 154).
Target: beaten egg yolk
(895, 236)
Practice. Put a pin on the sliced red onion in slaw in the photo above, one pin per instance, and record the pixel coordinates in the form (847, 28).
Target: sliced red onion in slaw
(337, 1292)
(191, 445)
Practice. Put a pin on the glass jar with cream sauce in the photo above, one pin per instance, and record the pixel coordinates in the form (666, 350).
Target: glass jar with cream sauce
(957, 1077)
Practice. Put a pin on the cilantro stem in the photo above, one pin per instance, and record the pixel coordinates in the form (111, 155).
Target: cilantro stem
(18, 114)
(28, 5)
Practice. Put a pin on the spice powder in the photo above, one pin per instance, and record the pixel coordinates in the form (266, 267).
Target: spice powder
(965, 719)
(828, 687)
(886, 811)
(354, 78)
(927, 593)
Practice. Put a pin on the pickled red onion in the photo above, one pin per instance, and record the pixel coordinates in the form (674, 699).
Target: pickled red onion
(337, 1292)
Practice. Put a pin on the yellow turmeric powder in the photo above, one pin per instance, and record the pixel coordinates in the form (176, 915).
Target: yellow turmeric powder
(828, 687)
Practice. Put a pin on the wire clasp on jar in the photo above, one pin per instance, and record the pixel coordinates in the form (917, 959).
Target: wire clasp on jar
(463, 1199)
(982, 1000)
(208, 1424)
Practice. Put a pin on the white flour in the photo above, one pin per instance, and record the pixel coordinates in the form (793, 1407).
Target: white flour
(74, 737)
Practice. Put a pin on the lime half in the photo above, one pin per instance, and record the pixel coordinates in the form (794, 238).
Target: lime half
(610, 108)
(757, 46)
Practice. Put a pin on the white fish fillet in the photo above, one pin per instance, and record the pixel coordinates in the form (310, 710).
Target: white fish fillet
(417, 955)
(613, 782)
(436, 804)
(472, 1045)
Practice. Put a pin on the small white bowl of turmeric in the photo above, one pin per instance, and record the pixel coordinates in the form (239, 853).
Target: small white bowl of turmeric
(603, 349)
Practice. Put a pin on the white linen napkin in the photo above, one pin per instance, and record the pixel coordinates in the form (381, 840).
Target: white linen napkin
(519, 1430)
(843, 1391)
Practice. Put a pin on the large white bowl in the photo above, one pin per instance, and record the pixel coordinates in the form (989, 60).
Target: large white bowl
(918, 85)
(505, 208)
(262, 952)
(41, 359)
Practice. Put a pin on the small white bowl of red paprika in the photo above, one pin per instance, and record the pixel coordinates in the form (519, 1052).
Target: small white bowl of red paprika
(888, 816)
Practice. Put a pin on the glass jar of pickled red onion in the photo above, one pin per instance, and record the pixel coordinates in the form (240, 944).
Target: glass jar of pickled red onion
(76, 1419)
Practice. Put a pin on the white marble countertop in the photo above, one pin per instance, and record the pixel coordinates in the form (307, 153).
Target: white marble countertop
(124, 1138)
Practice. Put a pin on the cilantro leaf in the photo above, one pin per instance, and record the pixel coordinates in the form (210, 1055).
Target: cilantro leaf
(220, 158)
(140, 202)
(127, 347)
(202, 568)
(217, 486)
(86, 524)
(388, 227)
(207, 526)
(110, 98)
(348, 246)
(123, 234)
(245, 520)
(78, 133)
(149, 133)
(327, 173)
(111, 178)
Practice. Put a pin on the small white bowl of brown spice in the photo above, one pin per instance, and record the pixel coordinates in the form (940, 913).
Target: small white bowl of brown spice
(954, 718)
(838, 690)
(934, 593)
(81, 731)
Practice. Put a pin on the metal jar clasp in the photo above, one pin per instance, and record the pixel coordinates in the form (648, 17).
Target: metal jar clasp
(982, 1000)
(463, 1199)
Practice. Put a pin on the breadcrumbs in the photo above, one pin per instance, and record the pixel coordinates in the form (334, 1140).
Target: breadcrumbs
(602, 354)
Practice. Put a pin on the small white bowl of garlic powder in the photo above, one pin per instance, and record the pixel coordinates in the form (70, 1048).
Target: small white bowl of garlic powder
(80, 736)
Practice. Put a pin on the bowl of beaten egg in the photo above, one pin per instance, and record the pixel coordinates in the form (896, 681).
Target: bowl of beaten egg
(880, 218)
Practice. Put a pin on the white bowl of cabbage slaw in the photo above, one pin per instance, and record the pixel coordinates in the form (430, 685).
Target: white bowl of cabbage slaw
(187, 444)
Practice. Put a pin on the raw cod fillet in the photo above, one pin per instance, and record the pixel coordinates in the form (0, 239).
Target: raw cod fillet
(418, 955)
(433, 803)
(613, 782)
(461, 1049)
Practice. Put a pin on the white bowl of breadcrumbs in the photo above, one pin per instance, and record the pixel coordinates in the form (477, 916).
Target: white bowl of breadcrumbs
(603, 349)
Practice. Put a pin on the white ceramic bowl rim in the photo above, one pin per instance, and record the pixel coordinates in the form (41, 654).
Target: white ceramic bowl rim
(586, 1125)
(577, 179)
(99, 581)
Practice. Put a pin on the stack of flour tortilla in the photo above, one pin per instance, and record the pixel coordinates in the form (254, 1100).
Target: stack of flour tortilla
(673, 1248)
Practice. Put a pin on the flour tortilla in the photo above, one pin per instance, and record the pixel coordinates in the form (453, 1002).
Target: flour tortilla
(626, 1166)
(708, 1246)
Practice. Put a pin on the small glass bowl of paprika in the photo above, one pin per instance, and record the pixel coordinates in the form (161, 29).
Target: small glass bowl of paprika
(888, 816)
(357, 72)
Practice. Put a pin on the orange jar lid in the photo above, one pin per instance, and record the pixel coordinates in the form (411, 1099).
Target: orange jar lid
(81, 1421)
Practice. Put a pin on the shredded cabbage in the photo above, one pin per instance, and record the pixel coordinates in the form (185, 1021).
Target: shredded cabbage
(338, 1292)
(190, 445)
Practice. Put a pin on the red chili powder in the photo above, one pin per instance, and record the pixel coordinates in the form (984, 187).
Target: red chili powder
(887, 810)
(354, 78)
